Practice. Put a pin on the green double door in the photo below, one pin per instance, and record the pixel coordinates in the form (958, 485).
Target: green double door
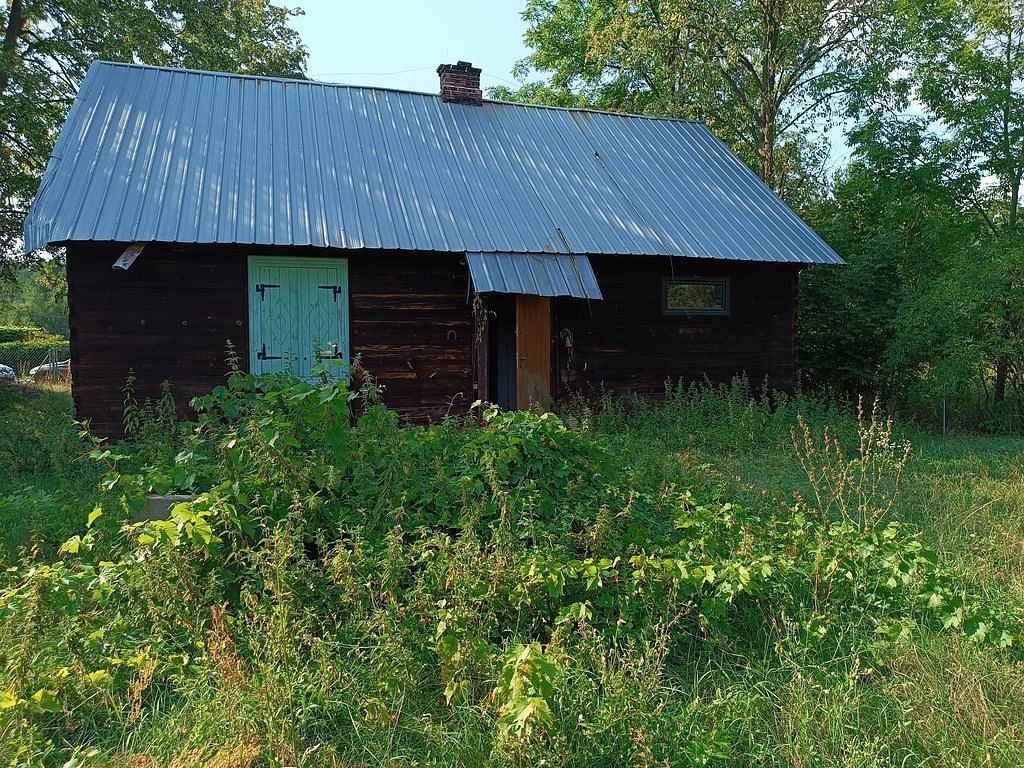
(298, 315)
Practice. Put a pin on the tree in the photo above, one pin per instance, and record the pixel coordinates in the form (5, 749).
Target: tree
(969, 64)
(49, 44)
(871, 326)
(920, 314)
(36, 297)
(758, 72)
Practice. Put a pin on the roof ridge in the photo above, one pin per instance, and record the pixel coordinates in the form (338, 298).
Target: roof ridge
(307, 81)
(191, 71)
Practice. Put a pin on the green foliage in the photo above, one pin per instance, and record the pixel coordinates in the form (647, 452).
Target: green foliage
(505, 589)
(17, 333)
(35, 297)
(928, 217)
(46, 485)
(27, 333)
(929, 314)
(927, 311)
(968, 62)
(525, 690)
(48, 46)
(149, 422)
(759, 74)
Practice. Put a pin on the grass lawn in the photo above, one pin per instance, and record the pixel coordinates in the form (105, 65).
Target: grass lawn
(639, 587)
(42, 458)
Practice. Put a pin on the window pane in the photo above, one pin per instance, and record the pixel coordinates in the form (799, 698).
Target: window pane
(703, 296)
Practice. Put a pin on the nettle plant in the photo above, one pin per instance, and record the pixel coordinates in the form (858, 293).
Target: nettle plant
(337, 566)
(853, 497)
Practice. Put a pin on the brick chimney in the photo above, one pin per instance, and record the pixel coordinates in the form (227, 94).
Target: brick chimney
(460, 83)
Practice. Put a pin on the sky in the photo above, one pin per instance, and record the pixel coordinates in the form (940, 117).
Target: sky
(400, 43)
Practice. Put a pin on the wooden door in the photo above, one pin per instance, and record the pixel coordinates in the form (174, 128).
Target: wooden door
(533, 350)
(298, 315)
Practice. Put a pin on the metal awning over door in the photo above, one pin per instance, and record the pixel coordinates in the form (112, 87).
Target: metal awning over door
(536, 274)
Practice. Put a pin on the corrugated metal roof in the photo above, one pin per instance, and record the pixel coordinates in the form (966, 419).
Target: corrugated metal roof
(538, 274)
(154, 154)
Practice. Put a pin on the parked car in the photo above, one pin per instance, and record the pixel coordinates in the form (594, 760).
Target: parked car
(58, 370)
(7, 373)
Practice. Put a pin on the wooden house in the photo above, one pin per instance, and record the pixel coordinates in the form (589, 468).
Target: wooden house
(462, 248)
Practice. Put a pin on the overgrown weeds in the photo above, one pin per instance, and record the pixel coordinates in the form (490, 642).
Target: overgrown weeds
(863, 488)
(504, 589)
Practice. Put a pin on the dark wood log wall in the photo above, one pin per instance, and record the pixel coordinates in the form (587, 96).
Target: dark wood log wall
(625, 343)
(168, 317)
(412, 325)
(171, 315)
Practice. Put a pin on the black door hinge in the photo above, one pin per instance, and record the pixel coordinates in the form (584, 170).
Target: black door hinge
(262, 354)
(261, 287)
(335, 289)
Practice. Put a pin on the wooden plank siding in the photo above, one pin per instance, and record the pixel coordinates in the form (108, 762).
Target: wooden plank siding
(411, 324)
(171, 315)
(625, 343)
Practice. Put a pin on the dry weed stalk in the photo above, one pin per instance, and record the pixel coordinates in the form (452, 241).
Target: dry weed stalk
(143, 677)
(861, 489)
(135, 761)
(190, 758)
(222, 649)
(240, 755)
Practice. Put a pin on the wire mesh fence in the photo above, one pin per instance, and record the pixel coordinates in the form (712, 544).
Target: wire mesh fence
(31, 361)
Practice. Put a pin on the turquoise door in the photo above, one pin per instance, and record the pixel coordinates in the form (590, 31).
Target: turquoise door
(298, 315)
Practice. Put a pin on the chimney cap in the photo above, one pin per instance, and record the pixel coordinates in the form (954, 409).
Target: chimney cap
(461, 67)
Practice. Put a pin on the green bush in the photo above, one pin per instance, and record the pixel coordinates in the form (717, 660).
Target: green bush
(20, 333)
(47, 483)
(499, 589)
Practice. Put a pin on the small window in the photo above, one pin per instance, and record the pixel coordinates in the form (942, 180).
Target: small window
(695, 296)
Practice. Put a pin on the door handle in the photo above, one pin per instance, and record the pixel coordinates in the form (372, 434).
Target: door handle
(332, 353)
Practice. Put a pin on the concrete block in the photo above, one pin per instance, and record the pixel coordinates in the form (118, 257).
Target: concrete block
(159, 507)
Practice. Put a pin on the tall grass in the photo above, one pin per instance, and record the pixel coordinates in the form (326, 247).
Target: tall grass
(46, 481)
(721, 579)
